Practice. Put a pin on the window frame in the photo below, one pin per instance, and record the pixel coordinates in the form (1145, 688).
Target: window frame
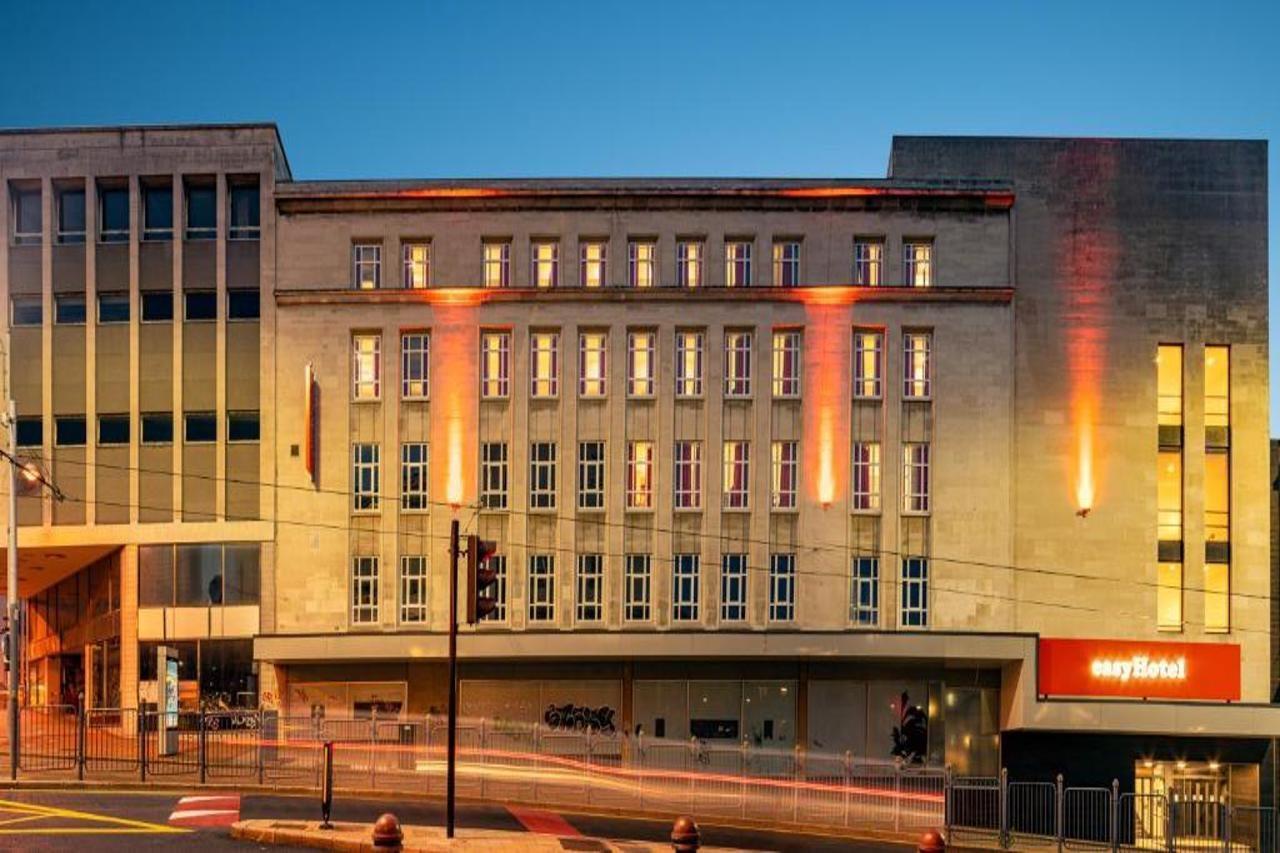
(866, 479)
(20, 304)
(366, 477)
(917, 350)
(690, 387)
(364, 589)
(782, 588)
(70, 236)
(543, 476)
(415, 476)
(500, 264)
(544, 387)
(114, 298)
(592, 477)
(917, 485)
(739, 363)
(64, 313)
(691, 256)
(868, 387)
(537, 264)
(491, 470)
(495, 387)
(868, 265)
(415, 350)
(20, 196)
(114, 235)
(687, 489)
(637, 578)
(733, 588)
(541, 590)
(915, 592)
(588, 577)
(640, 476)
(593, 385)
(366, 375)
(411, 266)
(156, 232)
(638, 260)
(737, 262)
(735, 495)
(642, 387)
(787, 252)
(784, 469)
(864, 611)
(366, 255)
(913, 263)
(191, 189)
(686, 582)
(413, 585)
(788, 366)
(591, 268)
(250, 230)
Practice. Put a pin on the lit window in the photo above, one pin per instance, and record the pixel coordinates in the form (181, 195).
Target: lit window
(868, 364)
(366, 367)
(1217, 505)
(917, 263)
(113, 214)
(417, 265)
(684, 588)
(642, 263)
(542, 588)
(1169, 596)
(637, 588)
(413, 589)
(28, 216)
(1169, 386)
(864, 606)
(364, 590)
(641, 366)
(593, 273)
(202, 216)
(868, 262)
(1169, 496)
(244, 219)
(917, 365)
(495, 365)
(545, 256)
(1217, 395)
(915, 478)
(413, 476)
(640, 475)
(737, 364)
(737, 263)
(689, 263)
(544, 364)
(592, 373)
(1217, 597)
(688, 474)
(493, 475)
(737, 475)
(733, 588)
(786, 264)
(785, 472)
(497, 264)
(782, 587)
(786, 364)
(364, 477)
(915, 592)
(866, 476)
(590, 588)
(366, 266)
(71, 216)
(542, 475)
(415, 350)
(689, 364)
(591, 475)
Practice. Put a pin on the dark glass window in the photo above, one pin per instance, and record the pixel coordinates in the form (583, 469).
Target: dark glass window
(71, 216)
(187, 659)
(113, 307)
(28, 311)
(243, 305)
(157, 428)
(69, 309)
(202, 216)
(201, 305)
(201, 427)
(157, 210)
(69, 431)
(157, 307)
(242, 426)
(242, 574)
(114, 201)
(198, 573)
(30, 432)
(244, 212)
(155, 576)
(113, 429)
(27, 216)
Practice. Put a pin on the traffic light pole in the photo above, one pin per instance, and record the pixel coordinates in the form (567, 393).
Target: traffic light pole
(451, 760)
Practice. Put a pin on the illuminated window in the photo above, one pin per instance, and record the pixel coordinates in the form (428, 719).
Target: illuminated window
(542, 588)
(1217, 505)
(784, 463)
(689, 364)
(593, 273)
(868, 364)
(544, 364)
(542, 475)
(364, 590)
(415, 349)
(917, 263)
(733, 587)
(365, 496)
(495, 364)
(786, 364)
(366, 367)
(413, 476)
(641, 365)
(1217, 597)
(1169, 496)
(737, 263)
(1169, 390)
(1169, 596)
(915, 477)
(497, 263)
(545, 257)
(868, 262)
(866, 476)
(591, 475)
(493, 475)
(366, 266)
(915, 592)
(737, 475)
(689, 263)
(1217, 396)
(417, 265)
(28, 216)
(413, 589)
(637, 588)
(592, 347)
(640, 475)
(684, 588)
(642, 263)
(786, 263)
(782, 587)
(688, 474)
(917, 367)
(737, 364)
(590, 588)
(864, 606)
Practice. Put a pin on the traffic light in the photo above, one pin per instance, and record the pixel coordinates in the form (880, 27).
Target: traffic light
(482, 579)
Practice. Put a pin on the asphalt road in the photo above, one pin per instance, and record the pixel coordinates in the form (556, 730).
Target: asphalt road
(107, 820)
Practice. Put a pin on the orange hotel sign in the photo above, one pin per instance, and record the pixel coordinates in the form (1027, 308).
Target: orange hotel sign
(1139, 670)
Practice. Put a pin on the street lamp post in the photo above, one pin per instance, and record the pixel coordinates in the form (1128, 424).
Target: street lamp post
(11, 594)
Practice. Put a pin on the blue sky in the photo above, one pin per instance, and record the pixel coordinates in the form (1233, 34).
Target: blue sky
(718, 88)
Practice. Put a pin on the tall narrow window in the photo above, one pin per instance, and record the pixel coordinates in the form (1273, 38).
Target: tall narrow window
(545, 257)
(1217, 488)
(364, 477)
(202, 216)
(688, 263)
(366, 266)
(915, 478)
(640, 475)
(542, 475)
(542, 588)
(493, 475)
(544, 364)
(415, 349)
(589, 597)
(642, 263)
(157, 212)
(413, 476)
(786, 363)
(1217, 597)
(733, 588)
(915, 592)
(688, 474)
(637, 588)
(1169, 394)
(113, 214)
(592, 368)
(1169, 596)
(782, 587)
(786, 263)
(28, 216)
(737, 263)
(499, 565)
(917, 367)
(71, 215)
(497, 263)
(737, 475)
(864, 606)
(1217, 395)
(868, 364)
(784, 463)
(866, 476)
(641, 363)
(591, 475)
(495, 365)
(917, 263)
(684, 588)
(1169, 503)
(244, 220)
(594, 257)
(364, 590)
(413, 590)
(1169, 488)
(868, 261)
(737, 364)
(689, 363)
(417, 265)
(366, 367)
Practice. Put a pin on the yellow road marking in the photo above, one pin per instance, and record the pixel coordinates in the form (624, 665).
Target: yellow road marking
(116, 825)
(14, 820)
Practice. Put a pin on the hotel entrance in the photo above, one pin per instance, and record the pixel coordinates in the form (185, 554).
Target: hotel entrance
(1191, 800)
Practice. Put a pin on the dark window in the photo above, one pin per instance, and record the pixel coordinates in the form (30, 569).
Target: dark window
(113, 307)
(226, 674)
(113, 429)
(242, 576)
(201, 305)
(30, 432)
(201, 427)
(187, 658)
(27, 216)
(68, 309)
(157, 428)
(198, 574)
(242, 426)
(28, 311)
(202, 217)
(157, 209)
(157, 307)
(244, 212)
(69, 431)
(114, 202)
(243, 305)
(71, 216)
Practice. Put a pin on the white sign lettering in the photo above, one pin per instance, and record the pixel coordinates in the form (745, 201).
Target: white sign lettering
(1140, 667)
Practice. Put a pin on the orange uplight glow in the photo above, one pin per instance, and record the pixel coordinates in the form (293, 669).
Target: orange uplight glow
(825, 366)
(453, 346)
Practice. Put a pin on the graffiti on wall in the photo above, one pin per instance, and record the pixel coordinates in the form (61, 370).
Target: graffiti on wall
(580, 718)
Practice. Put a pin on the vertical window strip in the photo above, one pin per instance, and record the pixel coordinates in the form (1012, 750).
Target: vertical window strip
(366, 367)
(865, 592)
(366, 266)
(786, 263)
(689, 257)
(640, 475)
(591, 475)
(733, 588)
(545, 255)
(688, 474)
(544, 364)
(782, 587)
(499, 565)
(493, 475)
(638, 588)
(917, 365)
(592, 366)
(737, 263)
(590, 588)
(641, 364)
(915, 592)
(737, 475)
(868, 262)
(495, 365)
(689, 363)
(542, 475)
(868, 364)
(593, 260)
(642, 263)
(685, 588)
(542, 588)
(786, 364)
(737, 364)
(413, 589)
(785, 463)
(917, 263)
(497, 264)
(915, 478)
(417, 266)
(364, 477)
(364, 590)
(413, 476)
(415, 350)
(866, 476)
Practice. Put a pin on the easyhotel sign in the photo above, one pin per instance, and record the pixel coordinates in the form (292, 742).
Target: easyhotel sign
(1139, 670)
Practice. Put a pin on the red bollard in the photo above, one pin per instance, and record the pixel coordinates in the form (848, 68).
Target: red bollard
(684, 835)
(932, 842)
(387, 832)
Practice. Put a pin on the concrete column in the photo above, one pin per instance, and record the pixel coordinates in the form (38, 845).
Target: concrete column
(179, 312)
(135, 321)
(91, 352)
(220, 353)
(129, 626)
(46, 337)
